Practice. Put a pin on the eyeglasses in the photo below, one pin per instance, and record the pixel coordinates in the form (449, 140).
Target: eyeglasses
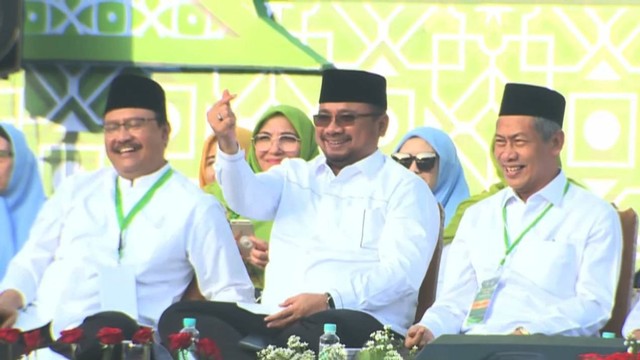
(134, 123)
(424, 161)
(345, 119)
(6, 154)
(286, 142)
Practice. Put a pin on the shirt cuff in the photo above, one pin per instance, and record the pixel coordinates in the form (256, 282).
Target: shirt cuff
(230, 157)
(433, 326)
(19, 280)
(337, 298)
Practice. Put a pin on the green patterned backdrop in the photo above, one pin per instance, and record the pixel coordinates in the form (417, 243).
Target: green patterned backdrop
(446, 65)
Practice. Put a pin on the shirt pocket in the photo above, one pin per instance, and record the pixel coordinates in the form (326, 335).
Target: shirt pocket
(363, 227)
(550, 265)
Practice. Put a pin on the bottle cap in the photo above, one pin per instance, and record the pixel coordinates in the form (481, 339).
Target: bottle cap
(189, 322)
(330, 328)
(608, 335)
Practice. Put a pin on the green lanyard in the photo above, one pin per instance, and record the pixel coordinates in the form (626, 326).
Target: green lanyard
(512, 246)
(123, 221)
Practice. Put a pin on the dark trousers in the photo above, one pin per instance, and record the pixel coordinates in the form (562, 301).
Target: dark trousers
(228, 324)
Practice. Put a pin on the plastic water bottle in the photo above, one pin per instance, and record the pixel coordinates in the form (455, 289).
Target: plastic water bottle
(189, 326)
(327, 339)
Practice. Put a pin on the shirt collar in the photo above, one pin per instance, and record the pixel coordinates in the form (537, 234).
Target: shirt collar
(553, 192)
(369, 166)
(143, 181)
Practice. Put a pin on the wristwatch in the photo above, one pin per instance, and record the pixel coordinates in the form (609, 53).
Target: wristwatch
(330, 303)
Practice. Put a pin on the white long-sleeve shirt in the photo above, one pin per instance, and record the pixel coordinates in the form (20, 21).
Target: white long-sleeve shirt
(366, 235)
(76, 233)
(632, 322)
(561, 278)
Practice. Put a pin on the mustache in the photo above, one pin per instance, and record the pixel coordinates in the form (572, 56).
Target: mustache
(118, 146)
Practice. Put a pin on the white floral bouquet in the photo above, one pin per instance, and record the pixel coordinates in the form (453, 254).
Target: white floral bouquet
(295, 350)
(383, 345)
(333, 352)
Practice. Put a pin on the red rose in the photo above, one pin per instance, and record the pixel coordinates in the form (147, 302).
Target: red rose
(110, 336)
(31, 340)
(179, 341)
(208, 349)
(9, 336)
(590, 356)
(144, 335)
(71, 336)
(619, 356)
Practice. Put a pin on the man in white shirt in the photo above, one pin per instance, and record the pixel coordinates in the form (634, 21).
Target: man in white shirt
(353, 230)
(540, 256)
(117, 246)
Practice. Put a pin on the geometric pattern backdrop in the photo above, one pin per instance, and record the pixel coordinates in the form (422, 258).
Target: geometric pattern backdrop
(446, 66)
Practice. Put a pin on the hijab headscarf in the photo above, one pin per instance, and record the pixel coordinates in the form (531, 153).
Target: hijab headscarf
(451, 188)
(244, 140)
(300, 121)
(21, 200)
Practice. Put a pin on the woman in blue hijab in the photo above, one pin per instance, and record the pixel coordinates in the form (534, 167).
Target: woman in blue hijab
(21, 193)
(431, 154)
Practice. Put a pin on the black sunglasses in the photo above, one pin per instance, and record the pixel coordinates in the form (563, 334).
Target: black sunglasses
(343, 119)
(424, 161)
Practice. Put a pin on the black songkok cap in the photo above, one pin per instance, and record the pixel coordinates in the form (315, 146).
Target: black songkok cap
(133, 91)
(531, 100)
(353, 86)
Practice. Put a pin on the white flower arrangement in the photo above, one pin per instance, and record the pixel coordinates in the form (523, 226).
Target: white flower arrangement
(333, 352)
(632, 344)
(384, 346)
(295, 350)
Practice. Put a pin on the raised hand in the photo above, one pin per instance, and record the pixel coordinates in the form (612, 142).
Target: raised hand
(223, 123)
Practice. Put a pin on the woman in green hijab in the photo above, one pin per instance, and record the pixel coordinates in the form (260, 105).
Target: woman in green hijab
(282, 132)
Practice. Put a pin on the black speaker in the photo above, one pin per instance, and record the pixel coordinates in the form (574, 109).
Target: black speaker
(11, 22)
(512, 347)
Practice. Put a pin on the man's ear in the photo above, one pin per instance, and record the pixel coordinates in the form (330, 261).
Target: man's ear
(383, 124)
(166, 131)
(557, 142)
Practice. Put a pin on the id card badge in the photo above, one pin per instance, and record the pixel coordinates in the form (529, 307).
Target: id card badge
(483, 299)
(118, 290)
